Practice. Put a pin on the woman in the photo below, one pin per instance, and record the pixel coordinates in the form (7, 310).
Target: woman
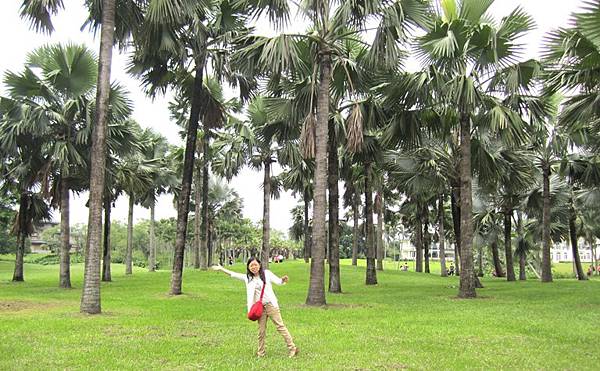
(255, 278)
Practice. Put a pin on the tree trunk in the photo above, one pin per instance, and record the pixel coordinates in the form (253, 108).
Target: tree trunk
(442, 236)
(371, 278)
(199, 255)
(306, 230)
(573, 237)
(90, 298)
(380, 248)
(129, 253)
(65, 233)
(18, 275)
(419, 241)
(316, 290)
(479, 261)
(152, 260)
(335, 283)
(522, 268)
(106, 273)
(204, 253)
(426, 237)
(496, 258)
(467, 283)
(510, 269)
(454, 197)
(266, 226)
(546, 258)
(183, 202)
(355, 227)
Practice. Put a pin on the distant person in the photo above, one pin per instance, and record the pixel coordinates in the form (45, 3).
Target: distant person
(590, 271)
(259, 283)
(230, 260)
(451, 270)
(280, 258)
(405, 267)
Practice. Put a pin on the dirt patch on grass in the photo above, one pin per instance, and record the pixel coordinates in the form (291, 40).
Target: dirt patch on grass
(479, 297)
(11, 306)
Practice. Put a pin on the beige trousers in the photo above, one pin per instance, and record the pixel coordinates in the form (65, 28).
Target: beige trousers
(275, 316)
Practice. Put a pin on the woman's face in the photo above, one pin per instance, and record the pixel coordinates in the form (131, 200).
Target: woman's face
(254, 267)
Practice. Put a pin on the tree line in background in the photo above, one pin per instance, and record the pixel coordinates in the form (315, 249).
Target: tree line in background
(481, 147)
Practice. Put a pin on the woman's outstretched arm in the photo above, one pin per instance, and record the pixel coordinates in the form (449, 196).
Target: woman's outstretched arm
(276, 280)
(232, 274)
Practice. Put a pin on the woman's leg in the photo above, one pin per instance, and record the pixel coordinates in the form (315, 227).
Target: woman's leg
(262, 330)
(275, 315)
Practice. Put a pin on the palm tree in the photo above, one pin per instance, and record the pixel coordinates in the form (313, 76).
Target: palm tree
(22, 163)
(573, 58)
(298, 179)
(134, 174)
(177, 40)
(38, 12)
(156, 152)
(57, 83)
(330, 29)
(464, 48)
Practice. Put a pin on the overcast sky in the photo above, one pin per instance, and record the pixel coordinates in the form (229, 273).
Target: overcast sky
(18, 40)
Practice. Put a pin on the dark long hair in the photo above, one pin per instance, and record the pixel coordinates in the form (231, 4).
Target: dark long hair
(261, 271)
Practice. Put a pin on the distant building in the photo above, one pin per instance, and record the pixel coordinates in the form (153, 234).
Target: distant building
(409, 252)
(39, 245)
(562, 252)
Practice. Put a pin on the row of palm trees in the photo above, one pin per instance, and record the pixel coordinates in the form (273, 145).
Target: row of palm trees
(470, 130)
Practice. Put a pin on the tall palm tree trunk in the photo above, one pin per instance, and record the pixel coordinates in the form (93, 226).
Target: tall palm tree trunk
(574, 246)
(426, 238)
(467, 283)
(546, 258)
(419, 242)
(479, 260)
(316, 290)
(307, 239)
(152, 260)
(522, 268)
(455, 196)
(106, 274)
(371, 278)
(335, 285)
(523, 254)
(496, 259)
(18, 275)
(355, 227)
(65, 246)
(90, 298)
(265, 253)
(442, 236)
(204, 247)
(209, 244)
(199, 257)
(129, 253)
(510, 269)
(380, 248)
(183, 202)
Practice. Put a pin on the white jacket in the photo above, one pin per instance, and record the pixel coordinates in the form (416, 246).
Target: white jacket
(254, 286)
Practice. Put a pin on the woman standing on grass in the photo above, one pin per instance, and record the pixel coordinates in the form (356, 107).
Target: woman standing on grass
(256, 277)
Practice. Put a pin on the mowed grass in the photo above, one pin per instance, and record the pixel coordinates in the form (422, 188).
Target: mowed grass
(408, 320)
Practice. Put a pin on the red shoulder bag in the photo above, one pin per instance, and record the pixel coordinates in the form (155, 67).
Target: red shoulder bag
(257, 308)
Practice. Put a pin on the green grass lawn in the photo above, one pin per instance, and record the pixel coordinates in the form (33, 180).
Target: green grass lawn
(408, 320)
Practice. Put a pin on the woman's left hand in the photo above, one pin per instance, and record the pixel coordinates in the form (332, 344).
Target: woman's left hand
(285, 279)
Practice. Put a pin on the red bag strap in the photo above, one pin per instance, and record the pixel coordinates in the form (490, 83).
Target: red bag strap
(262, 292)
